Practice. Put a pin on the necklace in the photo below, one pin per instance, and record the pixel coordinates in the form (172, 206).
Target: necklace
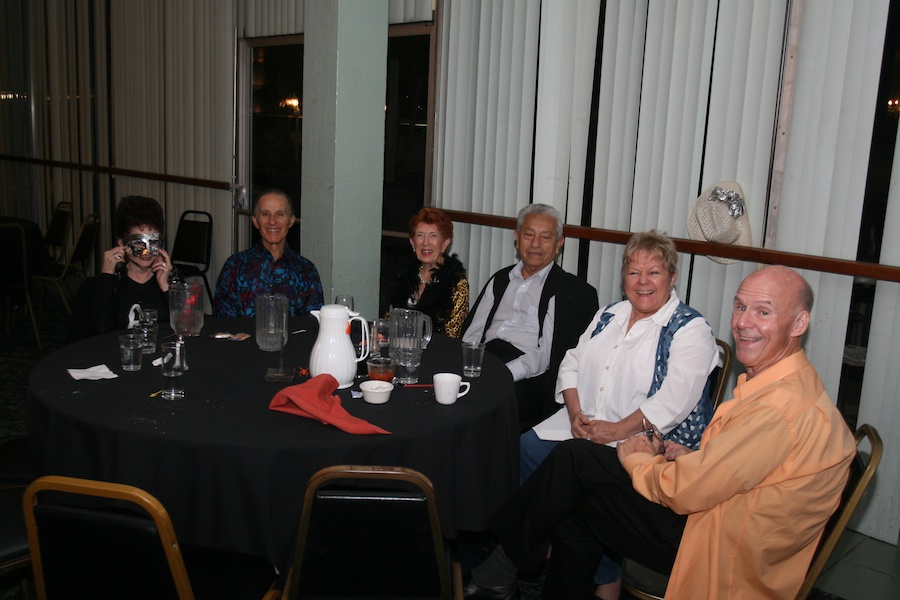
(421, 279)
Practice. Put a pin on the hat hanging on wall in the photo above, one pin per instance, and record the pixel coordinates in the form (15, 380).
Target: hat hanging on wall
(720, 216)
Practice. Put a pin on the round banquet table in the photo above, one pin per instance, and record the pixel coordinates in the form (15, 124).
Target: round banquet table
(230, 471)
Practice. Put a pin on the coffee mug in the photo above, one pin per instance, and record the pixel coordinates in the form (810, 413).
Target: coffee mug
(447, 387)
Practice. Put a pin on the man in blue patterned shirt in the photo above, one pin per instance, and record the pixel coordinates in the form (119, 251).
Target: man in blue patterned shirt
(269, 267)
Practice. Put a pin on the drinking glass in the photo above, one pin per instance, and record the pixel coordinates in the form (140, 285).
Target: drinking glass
(379, 338)
(130, 351)
(345, 300)
(271, 321)
(472, 356)
(173, 367)
(186, 309)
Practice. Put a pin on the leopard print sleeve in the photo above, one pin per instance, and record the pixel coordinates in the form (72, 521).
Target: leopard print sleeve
(453, 328)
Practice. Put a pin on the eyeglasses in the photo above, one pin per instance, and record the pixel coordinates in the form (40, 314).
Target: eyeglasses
(650, 430)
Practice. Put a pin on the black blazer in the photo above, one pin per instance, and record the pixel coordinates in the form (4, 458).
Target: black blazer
(576, 304)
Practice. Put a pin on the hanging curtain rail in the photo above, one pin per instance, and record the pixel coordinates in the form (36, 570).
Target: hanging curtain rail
(114, 171)
(760, 255)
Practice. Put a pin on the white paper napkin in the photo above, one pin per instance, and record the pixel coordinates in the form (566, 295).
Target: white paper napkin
(98, 372)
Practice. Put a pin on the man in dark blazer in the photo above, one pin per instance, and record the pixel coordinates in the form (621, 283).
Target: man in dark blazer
(530, 313)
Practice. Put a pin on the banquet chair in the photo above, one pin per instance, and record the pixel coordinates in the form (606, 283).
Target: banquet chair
(56, 273)
(721, 373)
(14, 555)
(192, 250)
(15, 274)
(371, 532)
(58, 231)
(645, 584)
(92, 539)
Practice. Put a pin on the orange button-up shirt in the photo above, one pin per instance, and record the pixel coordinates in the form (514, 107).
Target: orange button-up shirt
(769, 473)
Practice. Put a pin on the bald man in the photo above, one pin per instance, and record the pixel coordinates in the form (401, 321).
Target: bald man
(738, 518)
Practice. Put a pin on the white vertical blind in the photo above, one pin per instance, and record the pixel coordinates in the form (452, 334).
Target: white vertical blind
(485, 122)
(261, 18)
(827, 158)
(617, 126)
(409, 11)
(742, 80)
(881, 382)
(565, 79)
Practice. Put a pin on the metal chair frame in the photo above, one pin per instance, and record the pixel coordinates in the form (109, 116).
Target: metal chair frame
(450, 578)
(137, 502)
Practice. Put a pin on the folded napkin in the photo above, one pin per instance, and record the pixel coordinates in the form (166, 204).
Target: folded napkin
(315, 399)
(98, 372)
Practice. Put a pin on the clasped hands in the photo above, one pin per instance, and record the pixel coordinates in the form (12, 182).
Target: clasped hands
(648, 440)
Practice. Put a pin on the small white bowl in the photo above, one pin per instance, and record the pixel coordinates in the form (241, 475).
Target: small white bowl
(376, 392)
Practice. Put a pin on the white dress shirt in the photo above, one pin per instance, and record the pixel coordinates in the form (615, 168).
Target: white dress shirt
(613, 371)
(516, 321)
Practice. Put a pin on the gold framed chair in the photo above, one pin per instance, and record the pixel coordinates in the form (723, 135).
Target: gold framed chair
(93, 539)
(645, 584)
(370, 531)
(721, 372)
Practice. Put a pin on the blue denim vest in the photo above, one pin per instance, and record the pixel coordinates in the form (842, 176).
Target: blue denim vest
(689, 431)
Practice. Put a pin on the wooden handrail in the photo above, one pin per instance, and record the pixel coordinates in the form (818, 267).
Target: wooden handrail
(760, 255)
(115, 171)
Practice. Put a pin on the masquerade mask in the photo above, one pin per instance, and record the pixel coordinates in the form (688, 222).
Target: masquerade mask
(142, 244)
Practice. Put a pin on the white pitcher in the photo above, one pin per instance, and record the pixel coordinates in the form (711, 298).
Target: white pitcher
(333, 352)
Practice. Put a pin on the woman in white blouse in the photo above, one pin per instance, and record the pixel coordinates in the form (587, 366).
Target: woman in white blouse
(642, 364)
(643, 361)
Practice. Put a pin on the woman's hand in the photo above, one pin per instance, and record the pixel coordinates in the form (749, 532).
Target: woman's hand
(602, 432)
(161, 268)
(113, 257)
(580, 424)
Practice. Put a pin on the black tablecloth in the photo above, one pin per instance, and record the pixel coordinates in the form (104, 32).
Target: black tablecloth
(230, 471)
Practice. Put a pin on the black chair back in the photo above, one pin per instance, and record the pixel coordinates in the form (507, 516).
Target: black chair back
(192, 250)
(193, 239)
(81, 252)
(88, 553)
(374, 538)
(58, 230)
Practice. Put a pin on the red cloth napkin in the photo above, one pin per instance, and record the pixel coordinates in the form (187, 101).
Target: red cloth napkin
(315, 399)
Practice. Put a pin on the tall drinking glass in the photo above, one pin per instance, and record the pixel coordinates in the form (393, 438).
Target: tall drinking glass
(173, 367)
(186, 309)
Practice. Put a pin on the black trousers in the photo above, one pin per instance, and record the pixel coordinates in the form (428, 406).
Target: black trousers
(580, 500)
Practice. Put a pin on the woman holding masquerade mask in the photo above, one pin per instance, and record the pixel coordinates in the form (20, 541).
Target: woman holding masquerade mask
(134, 273)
